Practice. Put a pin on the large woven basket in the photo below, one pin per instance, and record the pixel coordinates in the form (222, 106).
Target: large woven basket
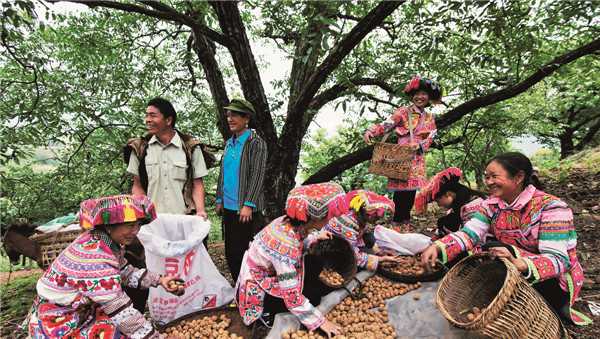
(392, 160)
(510, 307)
(52, 243)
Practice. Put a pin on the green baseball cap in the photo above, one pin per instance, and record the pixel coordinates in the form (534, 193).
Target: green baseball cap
(241, 105)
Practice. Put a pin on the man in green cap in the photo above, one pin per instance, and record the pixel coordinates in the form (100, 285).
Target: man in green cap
(240, 196)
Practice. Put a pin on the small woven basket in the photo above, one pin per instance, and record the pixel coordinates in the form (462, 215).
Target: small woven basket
(510, 307)
(52, 243)
(336, 254)
(392, 160)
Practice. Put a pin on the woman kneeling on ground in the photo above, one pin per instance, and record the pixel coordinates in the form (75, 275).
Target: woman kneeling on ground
(274, 272)
(446, 190)
(365, 207)
(534, 230)
(81, 294)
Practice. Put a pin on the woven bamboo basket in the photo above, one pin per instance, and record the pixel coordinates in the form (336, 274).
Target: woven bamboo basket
(510, 307)
(52, 243)
(392, 160)
(336, 254)
(386, 269)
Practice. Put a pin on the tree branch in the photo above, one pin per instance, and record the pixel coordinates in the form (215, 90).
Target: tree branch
(339, 90)
(589, 136)
(514, 90)
(159, 11)
(301, 103)
(230, 21)
(352, 159)
(338, 166)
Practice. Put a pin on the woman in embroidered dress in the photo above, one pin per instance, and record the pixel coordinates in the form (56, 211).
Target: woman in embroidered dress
(416, 128)
(534, 230)
(273, 273)
(365, 207)
(81, 294)
(446, 190)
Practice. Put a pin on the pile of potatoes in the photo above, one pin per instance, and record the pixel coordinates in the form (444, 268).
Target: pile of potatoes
(406, 265)
(331, 277)
(365, 317)
(206, 327)
(374, 292)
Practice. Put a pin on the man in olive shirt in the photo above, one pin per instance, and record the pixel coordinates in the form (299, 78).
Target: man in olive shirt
(173, 163)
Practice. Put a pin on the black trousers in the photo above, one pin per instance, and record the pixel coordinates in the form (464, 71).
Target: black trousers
(556, 297)
(404, 201)
(237, 235)
(313, 288)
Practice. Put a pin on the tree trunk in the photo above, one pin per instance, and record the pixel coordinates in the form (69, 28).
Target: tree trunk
(566, 143)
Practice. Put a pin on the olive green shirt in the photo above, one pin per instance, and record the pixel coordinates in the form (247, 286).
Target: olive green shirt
(166, 167)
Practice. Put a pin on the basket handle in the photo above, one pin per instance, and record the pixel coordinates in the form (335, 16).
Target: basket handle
(385, 136)
(358, 294)
(410, 127)
(410, 130)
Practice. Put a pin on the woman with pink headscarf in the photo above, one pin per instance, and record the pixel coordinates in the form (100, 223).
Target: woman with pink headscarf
(274, 272)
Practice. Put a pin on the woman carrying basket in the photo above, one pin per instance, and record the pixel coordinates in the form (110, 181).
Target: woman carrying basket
(415, 128)
(274, 274)
(534, 230)
(81, 294)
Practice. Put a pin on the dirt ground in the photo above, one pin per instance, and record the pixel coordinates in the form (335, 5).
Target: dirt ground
(580, 190)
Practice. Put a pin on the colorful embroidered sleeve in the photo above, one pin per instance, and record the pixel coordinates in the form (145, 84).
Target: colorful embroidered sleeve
(556, 236)
(464, 240)
(107, 292)
(395, 120)
(139, 277)
(310, 240)
(367, 261)
(290, 285)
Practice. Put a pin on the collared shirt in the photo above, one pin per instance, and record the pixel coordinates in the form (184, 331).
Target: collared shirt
(231, 171)
(166, 166)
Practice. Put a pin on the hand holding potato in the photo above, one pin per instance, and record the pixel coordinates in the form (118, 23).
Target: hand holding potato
(173, 284)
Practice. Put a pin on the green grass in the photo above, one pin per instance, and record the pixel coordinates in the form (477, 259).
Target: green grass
(550, 164)
(16, 297)
(214, 235)
(5, 265)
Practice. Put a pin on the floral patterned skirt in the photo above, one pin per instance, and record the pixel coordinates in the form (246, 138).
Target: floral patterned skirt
(49, 320)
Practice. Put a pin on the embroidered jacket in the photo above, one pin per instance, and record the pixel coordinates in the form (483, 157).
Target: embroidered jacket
(424, 131)
(274, 264)
(540, 229)
(81, 294)
(347, 226)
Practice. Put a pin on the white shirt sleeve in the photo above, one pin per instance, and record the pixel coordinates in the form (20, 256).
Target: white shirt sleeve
(198, 163)
(134, 164)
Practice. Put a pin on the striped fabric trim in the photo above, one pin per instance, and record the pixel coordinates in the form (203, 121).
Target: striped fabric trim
(119, 309)
(471, 235)
(535, 275)
(442, 247)
(558, 235)
(253, 166)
